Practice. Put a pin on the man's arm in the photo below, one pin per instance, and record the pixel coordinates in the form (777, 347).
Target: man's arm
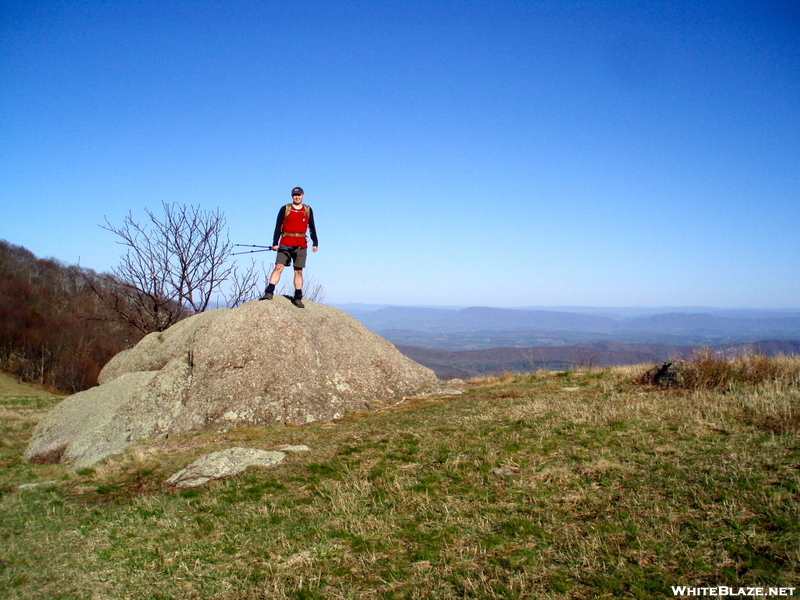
(312, 228)
(276, 237)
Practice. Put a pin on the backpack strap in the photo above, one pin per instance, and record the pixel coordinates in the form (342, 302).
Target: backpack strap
(286, 212)
(288, 209)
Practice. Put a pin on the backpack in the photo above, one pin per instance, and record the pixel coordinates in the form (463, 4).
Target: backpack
(286, 212)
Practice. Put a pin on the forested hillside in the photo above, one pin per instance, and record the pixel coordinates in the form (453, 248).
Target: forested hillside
(53, 329)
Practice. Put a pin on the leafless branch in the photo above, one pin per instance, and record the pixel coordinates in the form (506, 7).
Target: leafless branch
(244, 285)
(174, 265)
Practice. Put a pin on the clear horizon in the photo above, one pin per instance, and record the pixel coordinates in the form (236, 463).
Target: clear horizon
(578, 308)
(505, 154)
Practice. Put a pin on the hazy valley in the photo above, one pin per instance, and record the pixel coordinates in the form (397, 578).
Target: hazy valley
(464, 342)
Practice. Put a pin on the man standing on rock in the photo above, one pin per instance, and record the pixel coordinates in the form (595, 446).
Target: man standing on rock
(289, 239)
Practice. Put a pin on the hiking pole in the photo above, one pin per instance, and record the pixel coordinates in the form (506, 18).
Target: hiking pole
(251, 251)
(261, 249)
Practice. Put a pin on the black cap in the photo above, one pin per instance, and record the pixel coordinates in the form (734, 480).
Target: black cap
(297, 190)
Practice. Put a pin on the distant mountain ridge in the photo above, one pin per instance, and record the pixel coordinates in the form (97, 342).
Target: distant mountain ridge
(470, 363)
(441, 320)
(477, 327)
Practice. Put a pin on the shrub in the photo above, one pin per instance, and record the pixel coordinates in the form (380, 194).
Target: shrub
(709, 370)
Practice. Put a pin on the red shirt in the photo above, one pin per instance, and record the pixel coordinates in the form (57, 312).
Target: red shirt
(296, 222)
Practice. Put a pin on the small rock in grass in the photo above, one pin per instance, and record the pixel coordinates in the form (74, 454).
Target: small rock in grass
(300, 448)
(504, 471)
(30, 486)
(225, 463)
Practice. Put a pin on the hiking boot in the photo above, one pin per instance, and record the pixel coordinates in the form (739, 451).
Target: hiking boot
(298, 302)
(266, 296)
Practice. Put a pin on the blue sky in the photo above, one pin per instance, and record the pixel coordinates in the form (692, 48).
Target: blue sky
(463, 153)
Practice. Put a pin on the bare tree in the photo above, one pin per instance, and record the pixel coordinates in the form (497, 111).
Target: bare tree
(174, 265)
(244, 285)
(143, 308)
(313, 289)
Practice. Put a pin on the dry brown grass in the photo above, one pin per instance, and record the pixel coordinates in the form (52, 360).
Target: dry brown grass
(12, 386)
(708, 370)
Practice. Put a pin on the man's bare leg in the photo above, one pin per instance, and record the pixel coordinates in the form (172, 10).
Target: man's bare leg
(274, 278)
(276, 274)
(298, 288)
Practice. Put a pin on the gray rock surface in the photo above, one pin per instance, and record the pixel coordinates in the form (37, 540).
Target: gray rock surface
(260, 363)
(224, 463)
(299, 448)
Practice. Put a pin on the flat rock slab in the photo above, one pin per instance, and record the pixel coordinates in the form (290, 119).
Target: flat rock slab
(300, 448)
(222, 464)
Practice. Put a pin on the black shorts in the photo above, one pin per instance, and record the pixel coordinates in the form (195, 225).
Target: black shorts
(294, 255)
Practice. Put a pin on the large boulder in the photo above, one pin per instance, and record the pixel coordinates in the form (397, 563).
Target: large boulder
(257, 364)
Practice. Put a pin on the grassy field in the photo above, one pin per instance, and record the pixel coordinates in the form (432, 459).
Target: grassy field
(549, 485)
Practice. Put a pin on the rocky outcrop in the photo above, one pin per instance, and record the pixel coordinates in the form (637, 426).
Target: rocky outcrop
(263, 362)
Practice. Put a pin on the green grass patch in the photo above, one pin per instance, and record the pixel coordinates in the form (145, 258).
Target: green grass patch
(516, 489)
